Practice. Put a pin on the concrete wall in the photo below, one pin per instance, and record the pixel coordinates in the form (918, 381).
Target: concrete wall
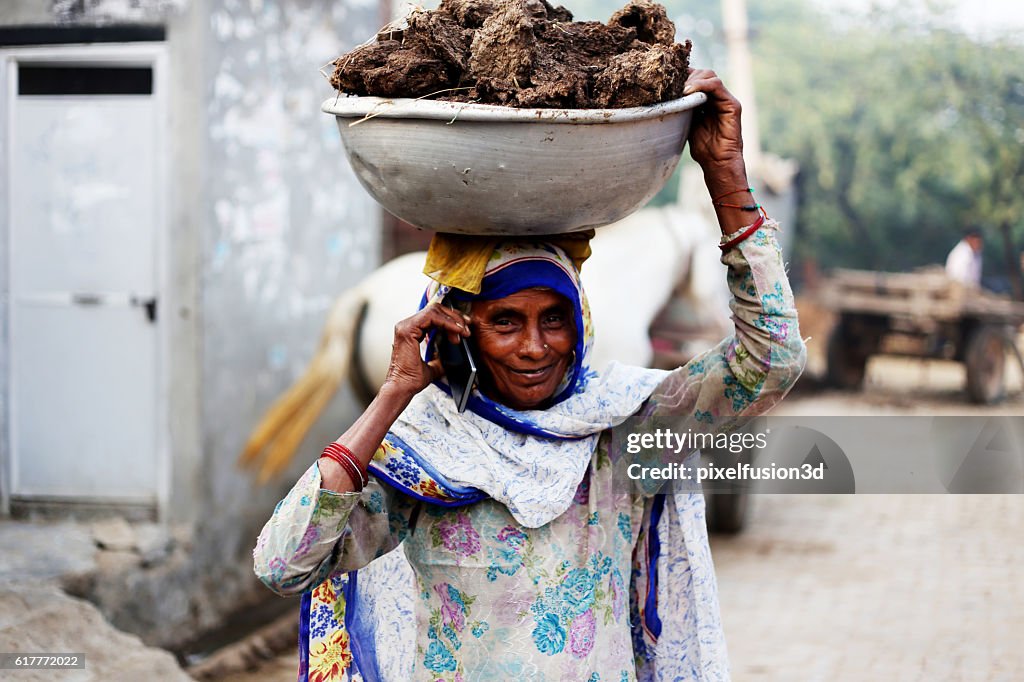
(267, 225)
(289, 229)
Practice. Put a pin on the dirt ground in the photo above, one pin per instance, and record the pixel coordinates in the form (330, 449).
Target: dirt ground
(280, 669)
(875, 587)
(869, 587)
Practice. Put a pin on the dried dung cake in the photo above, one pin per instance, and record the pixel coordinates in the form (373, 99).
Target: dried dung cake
(522, 53)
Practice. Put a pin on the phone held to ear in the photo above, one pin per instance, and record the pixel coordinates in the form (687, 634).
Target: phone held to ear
(459, 368)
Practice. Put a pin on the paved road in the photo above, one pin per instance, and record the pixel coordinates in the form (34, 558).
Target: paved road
(876, 587)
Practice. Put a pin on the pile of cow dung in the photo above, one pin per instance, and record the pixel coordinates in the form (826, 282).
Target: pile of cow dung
(522, 53)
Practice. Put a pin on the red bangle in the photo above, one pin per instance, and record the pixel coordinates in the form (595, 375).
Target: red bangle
(742, 207)
(350, 471)
(349, 468)
(744, 233)
(735, 191)
(344, 457)
(355, 472)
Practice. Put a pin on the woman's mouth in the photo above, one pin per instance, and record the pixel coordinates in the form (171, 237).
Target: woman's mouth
(533, 373)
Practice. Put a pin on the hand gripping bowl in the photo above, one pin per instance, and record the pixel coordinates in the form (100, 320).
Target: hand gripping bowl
(491, 170)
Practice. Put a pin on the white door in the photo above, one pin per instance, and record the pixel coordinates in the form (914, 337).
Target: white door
(84, 194)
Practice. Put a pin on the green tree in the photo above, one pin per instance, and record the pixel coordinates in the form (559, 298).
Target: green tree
(905, 131)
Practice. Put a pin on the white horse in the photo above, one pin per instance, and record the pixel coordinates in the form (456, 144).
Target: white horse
(636, 266)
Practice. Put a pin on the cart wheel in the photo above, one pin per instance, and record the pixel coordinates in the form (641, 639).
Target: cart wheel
(846, 365)
(726, 513)
(727, 503)
(985, 358)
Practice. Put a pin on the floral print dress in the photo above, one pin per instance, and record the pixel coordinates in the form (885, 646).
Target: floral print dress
(497, 600)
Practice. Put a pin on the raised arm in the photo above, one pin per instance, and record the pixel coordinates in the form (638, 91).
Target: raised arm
(324, 525)
(407, 375)
(716, 144)
(750, 371)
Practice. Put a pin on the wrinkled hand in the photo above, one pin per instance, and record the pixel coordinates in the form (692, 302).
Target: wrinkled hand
(408, 372)
(716, 142)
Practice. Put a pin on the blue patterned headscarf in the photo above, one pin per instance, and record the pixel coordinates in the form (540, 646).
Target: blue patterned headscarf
(514, 267)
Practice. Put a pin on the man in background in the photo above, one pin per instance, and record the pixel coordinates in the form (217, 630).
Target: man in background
(964, 262)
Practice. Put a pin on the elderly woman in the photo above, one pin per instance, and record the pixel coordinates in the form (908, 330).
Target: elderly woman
(527, 563)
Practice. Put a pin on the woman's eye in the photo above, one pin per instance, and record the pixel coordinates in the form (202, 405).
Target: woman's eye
(555, 320)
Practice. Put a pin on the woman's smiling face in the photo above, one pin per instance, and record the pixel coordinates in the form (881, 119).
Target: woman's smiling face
(525, 344)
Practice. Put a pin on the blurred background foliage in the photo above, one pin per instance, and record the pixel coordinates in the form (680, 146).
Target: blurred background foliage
(907, 129)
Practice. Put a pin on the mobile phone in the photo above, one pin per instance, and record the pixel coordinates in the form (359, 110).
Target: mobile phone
(459, 368)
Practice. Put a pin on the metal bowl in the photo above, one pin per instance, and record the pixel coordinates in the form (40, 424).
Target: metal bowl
(491, 170)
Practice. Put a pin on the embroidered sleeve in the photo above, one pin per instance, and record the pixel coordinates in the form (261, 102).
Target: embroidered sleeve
(315, 533)
(749, 372)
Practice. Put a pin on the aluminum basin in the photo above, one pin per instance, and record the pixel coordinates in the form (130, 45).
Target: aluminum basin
(484, 169)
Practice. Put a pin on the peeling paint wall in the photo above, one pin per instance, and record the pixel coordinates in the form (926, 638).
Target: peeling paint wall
(104, 11)
(288, 229)
(90, 12)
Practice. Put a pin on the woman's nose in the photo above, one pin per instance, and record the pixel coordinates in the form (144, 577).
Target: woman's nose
(532, 344)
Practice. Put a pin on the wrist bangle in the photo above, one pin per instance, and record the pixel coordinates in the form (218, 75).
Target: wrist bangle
(350, 471)
(347, 454)
(743, 233)
(344, 457)
(747, 207)
(735, 191)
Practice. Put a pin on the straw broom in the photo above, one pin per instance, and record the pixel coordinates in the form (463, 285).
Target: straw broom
(272, 444)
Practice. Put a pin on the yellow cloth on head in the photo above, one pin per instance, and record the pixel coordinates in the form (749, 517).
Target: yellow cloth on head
(460, 260)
